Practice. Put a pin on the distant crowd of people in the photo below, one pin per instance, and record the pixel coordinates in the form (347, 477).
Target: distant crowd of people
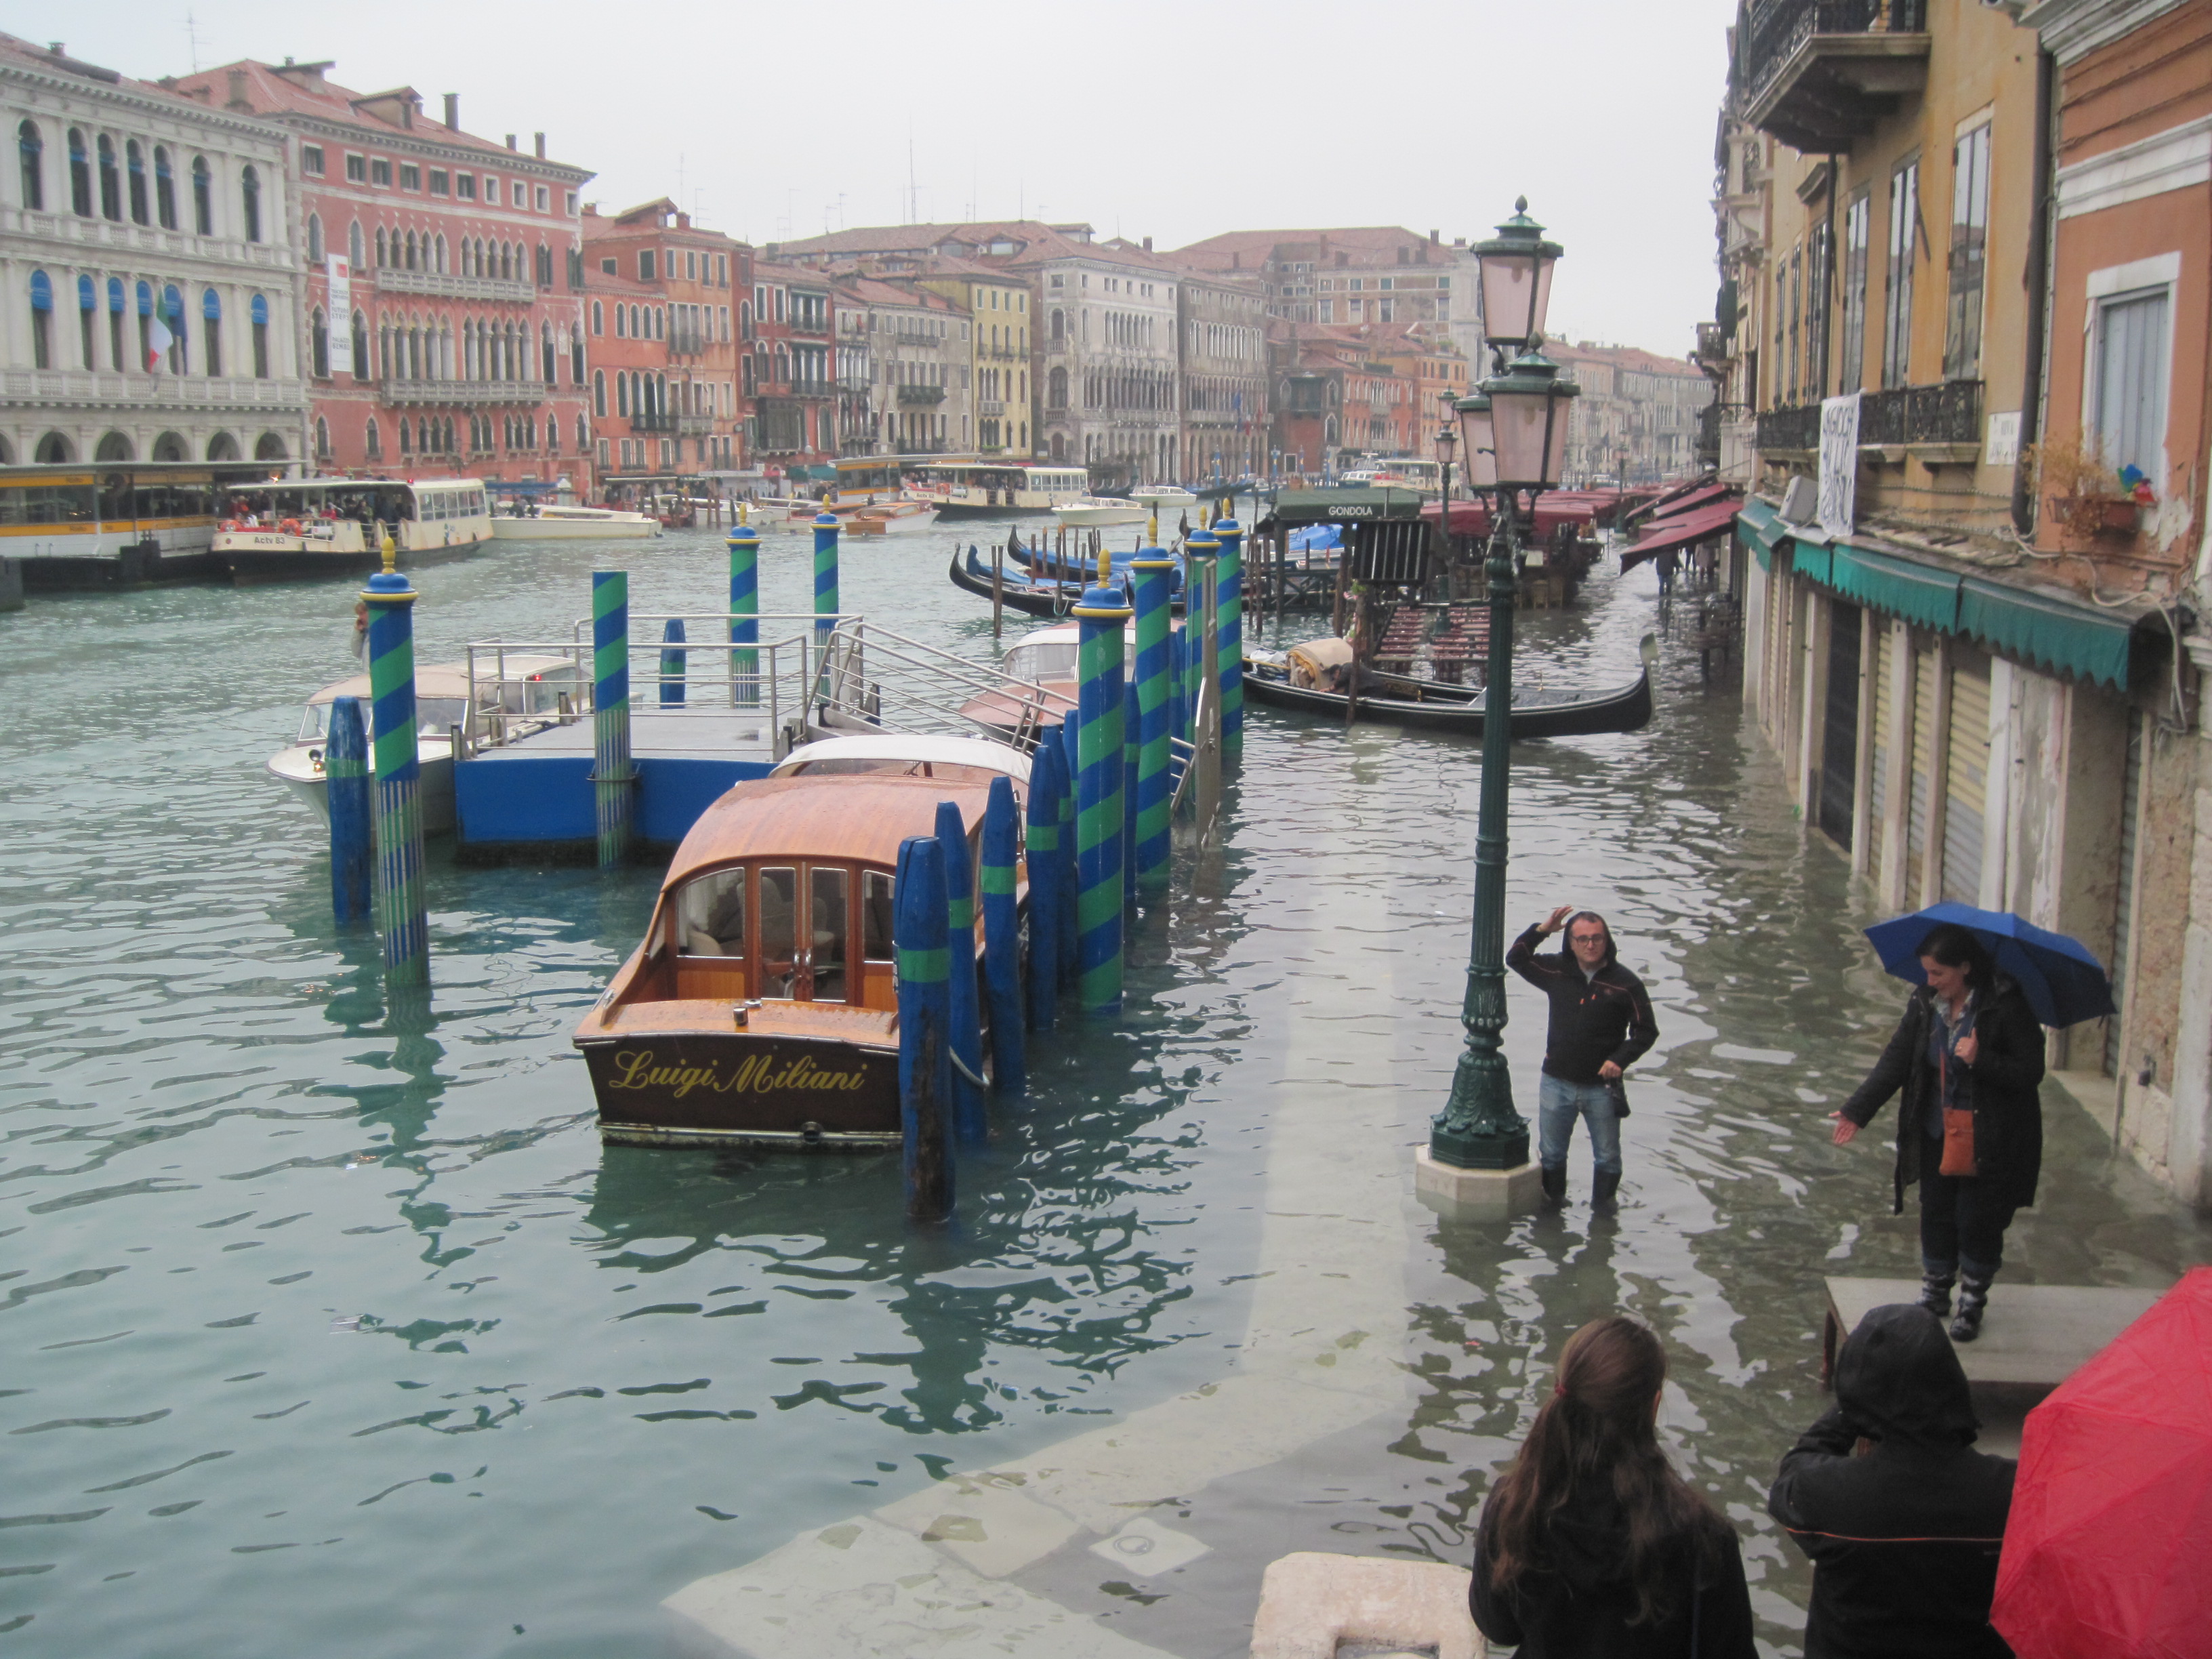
(1592, 1546)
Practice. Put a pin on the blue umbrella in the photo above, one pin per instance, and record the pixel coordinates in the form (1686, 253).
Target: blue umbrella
(2064, 982)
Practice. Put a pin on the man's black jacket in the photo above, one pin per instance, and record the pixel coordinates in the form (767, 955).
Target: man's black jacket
(1592, 1019)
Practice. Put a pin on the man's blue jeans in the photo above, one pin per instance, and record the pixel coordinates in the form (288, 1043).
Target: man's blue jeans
(1559, 1104)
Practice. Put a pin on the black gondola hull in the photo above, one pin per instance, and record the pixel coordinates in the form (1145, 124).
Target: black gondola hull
(1626, 709)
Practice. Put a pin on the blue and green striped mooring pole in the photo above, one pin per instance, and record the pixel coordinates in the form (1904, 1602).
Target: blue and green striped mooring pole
(1201, 554)
(825, 576)
(1152, 574)
(671, 663)
(1099, 831)
(1047, 781)
(1002, 936)
(925, 1035)
(612, 773)
(1231, 535)
(744, 616)
(402, 912)
(1069, 880)
(353, 829)
(969, 1121)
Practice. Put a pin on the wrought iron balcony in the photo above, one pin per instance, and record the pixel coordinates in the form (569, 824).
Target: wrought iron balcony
(1948, 413)
(1789, 430)
(686, 343)
(653, 420)
(921, 394)
(1818, 74)
(446, 285)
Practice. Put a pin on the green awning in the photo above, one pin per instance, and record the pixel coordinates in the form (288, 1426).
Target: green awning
(1918, 592)
(2047, 629)
(1811, 559)
(1761, 526)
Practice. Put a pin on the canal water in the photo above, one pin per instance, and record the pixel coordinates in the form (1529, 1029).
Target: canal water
(330, 1325)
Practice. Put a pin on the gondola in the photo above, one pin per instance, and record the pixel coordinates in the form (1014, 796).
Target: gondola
(1052, 599)
(1434, 706)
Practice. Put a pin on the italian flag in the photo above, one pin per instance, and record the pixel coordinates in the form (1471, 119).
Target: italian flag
(158, 342)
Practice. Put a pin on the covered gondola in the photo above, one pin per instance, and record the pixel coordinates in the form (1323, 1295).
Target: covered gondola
(1313, 680)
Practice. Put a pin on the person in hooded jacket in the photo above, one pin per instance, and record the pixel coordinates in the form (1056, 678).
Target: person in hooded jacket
(1968, 1043)
(1590, 1547)
(1904, 1541)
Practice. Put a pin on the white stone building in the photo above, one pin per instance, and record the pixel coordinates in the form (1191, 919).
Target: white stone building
(1108, 334)
(132, 214)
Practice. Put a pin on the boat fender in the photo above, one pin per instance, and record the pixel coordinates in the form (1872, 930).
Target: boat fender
(810, 1132)
(230, 523)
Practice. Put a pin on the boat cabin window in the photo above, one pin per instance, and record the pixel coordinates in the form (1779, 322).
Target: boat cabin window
(832, 910)
(710, 914)
(876, 906)
(779, 953)
(1050, 659)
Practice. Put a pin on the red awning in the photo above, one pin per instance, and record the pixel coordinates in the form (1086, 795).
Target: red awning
(1685, 530)
(1690, 501)
(1472, 518)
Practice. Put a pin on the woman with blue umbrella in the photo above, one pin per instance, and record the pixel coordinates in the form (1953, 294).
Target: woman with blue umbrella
(1967, 1058)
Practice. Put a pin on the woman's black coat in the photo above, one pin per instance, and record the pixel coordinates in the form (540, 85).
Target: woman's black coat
(2002, 1090)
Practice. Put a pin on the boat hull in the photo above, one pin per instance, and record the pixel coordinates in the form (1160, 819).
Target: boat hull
(303, 779)
(1628, 709)
(573, 530)
(1051, 600)
(737, 1088)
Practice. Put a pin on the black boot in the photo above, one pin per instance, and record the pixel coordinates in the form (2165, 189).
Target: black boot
(1555, 1184)
(1935, 1294)
(1603, 1192)
(1973, 1297)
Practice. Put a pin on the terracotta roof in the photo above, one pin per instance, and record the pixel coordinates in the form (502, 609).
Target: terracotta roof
(1032, 241)
(1366, 244)
(874, 291)
(774, 270)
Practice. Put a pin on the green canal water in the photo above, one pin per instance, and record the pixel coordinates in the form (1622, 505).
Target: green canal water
(328, 1326)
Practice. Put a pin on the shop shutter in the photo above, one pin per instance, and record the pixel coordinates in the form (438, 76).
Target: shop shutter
(1884, 713)
(1839, 726)
(1925, 665)
(1965, 780)
(2124, 903)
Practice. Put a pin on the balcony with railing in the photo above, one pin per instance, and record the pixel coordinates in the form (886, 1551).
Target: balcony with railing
(1939, 424)
(653, 420)
(910, 395)
(686, 343)
(693, 425)
(448, 392)
(89, 388)
(1792, 431)
(991, 406)
(444, 285)
(1819, 74)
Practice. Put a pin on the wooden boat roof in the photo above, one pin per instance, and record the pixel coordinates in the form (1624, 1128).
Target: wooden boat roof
(845, 818)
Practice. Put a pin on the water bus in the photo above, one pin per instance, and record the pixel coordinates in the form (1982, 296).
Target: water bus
(115, 525)
(762, 1005)
(972, 487)
(303, 527)
(1415, 472)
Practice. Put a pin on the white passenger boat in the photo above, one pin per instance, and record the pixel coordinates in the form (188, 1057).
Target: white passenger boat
(567, 522)
(1167, 501)
(977, 489)
(520, 695)
(336, 526)
(1091, 512)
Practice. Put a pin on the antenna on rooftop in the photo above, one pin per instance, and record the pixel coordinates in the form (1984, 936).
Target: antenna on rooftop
(192, 40)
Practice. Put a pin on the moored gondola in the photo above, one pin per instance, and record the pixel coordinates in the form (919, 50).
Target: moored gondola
(1435, 706)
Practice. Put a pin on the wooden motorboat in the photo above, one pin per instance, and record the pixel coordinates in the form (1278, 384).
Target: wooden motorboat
(1437, 706)
(887, 518)
(736, 1023)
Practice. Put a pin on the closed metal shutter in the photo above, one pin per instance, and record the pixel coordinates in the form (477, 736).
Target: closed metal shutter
(2123, 905)
(1839, 726)
(1965, 780)
(1924, 667)
(1885, 710)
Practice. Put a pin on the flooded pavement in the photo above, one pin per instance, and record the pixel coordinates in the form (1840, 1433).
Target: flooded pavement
(331, 1326)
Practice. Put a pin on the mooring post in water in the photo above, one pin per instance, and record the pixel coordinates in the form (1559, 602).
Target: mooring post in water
(353, 833)
(1099, 831)
(1065, 736)
(612, 775)
(671, 664)
(1201, 576)
(1002, 937)
(825, 576)
(925, 1054)
(998, 586)
(1046, 783)
(969, 1119)
(401, 912)
(1131, 728)
(1231, 586)
(744, 616)
(1153, 573)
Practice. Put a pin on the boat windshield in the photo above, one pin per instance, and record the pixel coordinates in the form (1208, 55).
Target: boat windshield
(432, 716)
(1046, 661)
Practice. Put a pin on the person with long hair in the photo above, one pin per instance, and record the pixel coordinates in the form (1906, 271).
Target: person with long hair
(1590, 1547)
(1968, 1058)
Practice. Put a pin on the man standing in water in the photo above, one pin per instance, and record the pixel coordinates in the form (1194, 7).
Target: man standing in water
(1600, 1024)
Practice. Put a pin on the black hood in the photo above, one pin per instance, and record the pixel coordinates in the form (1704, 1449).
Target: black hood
(1900, 1378)
(1587, 1541)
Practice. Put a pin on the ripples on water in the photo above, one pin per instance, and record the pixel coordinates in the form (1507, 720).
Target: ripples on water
(289, 1267)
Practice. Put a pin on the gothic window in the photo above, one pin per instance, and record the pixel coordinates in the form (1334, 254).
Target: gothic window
(249, 196)
(203, 197)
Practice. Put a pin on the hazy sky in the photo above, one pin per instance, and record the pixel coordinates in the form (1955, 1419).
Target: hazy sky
(1175, 121)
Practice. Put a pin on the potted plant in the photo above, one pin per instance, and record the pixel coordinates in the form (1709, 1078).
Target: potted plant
(2083, 494)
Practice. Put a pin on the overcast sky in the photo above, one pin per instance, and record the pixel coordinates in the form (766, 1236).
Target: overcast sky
(1169, 121)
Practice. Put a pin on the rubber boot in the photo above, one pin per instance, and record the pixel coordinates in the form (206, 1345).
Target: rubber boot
(1935, 1294)
(1555, 1184)
(1973, 1298)
(1603, 1192)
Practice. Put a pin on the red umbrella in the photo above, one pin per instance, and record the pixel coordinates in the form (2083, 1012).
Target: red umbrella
(2105, 1556)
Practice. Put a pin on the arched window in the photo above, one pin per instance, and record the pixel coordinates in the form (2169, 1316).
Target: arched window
(115, 446)
(379, 247)
(249, 196)
(545, 359)
(203, 197)
(165, 189)
(599, 394)
(222, 447)
(33, 150)
(88, 305)
(173, 313)
(42, 320)
(322, 439)
(622, 322)
(583, 435)
(1057, 389)
(407, 259)
(598, 317)
(134, 161)
(55, 450)
(621, 394)
(319, 345)
(375, 441)
(354, 245)
(258, 311)
(360, 368)
(80, 165)
(211, 327)
(440, 266)
(111, 180)
(576, 356)
(314, 239)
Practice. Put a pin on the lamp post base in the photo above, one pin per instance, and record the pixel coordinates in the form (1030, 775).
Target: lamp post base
(1460, 1194)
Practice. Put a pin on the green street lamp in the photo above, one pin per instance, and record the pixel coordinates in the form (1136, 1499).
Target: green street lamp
(1514, 431)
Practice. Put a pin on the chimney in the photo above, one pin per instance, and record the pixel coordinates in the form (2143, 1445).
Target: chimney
(510, 141)
(1437, 237)
(453, 111)
(238, 99)
(1148, 245)
(540, 138)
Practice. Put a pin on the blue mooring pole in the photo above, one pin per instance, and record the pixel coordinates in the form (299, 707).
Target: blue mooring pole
(612, 773)
(1100, 832)
(1231, 535)
(969, 1118)
(744, 616)
(1002, 937)
(1069, 879)
(925, 1047)
(1148, 839)
(1043, 858)
(353, 831)
(1131, 755)
(672, 664)
(402, 907)
(825, 577)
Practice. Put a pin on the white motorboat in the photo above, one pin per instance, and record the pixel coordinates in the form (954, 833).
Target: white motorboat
(567, 522)
(1091, 512)
(517, 694)
(1167, 499)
